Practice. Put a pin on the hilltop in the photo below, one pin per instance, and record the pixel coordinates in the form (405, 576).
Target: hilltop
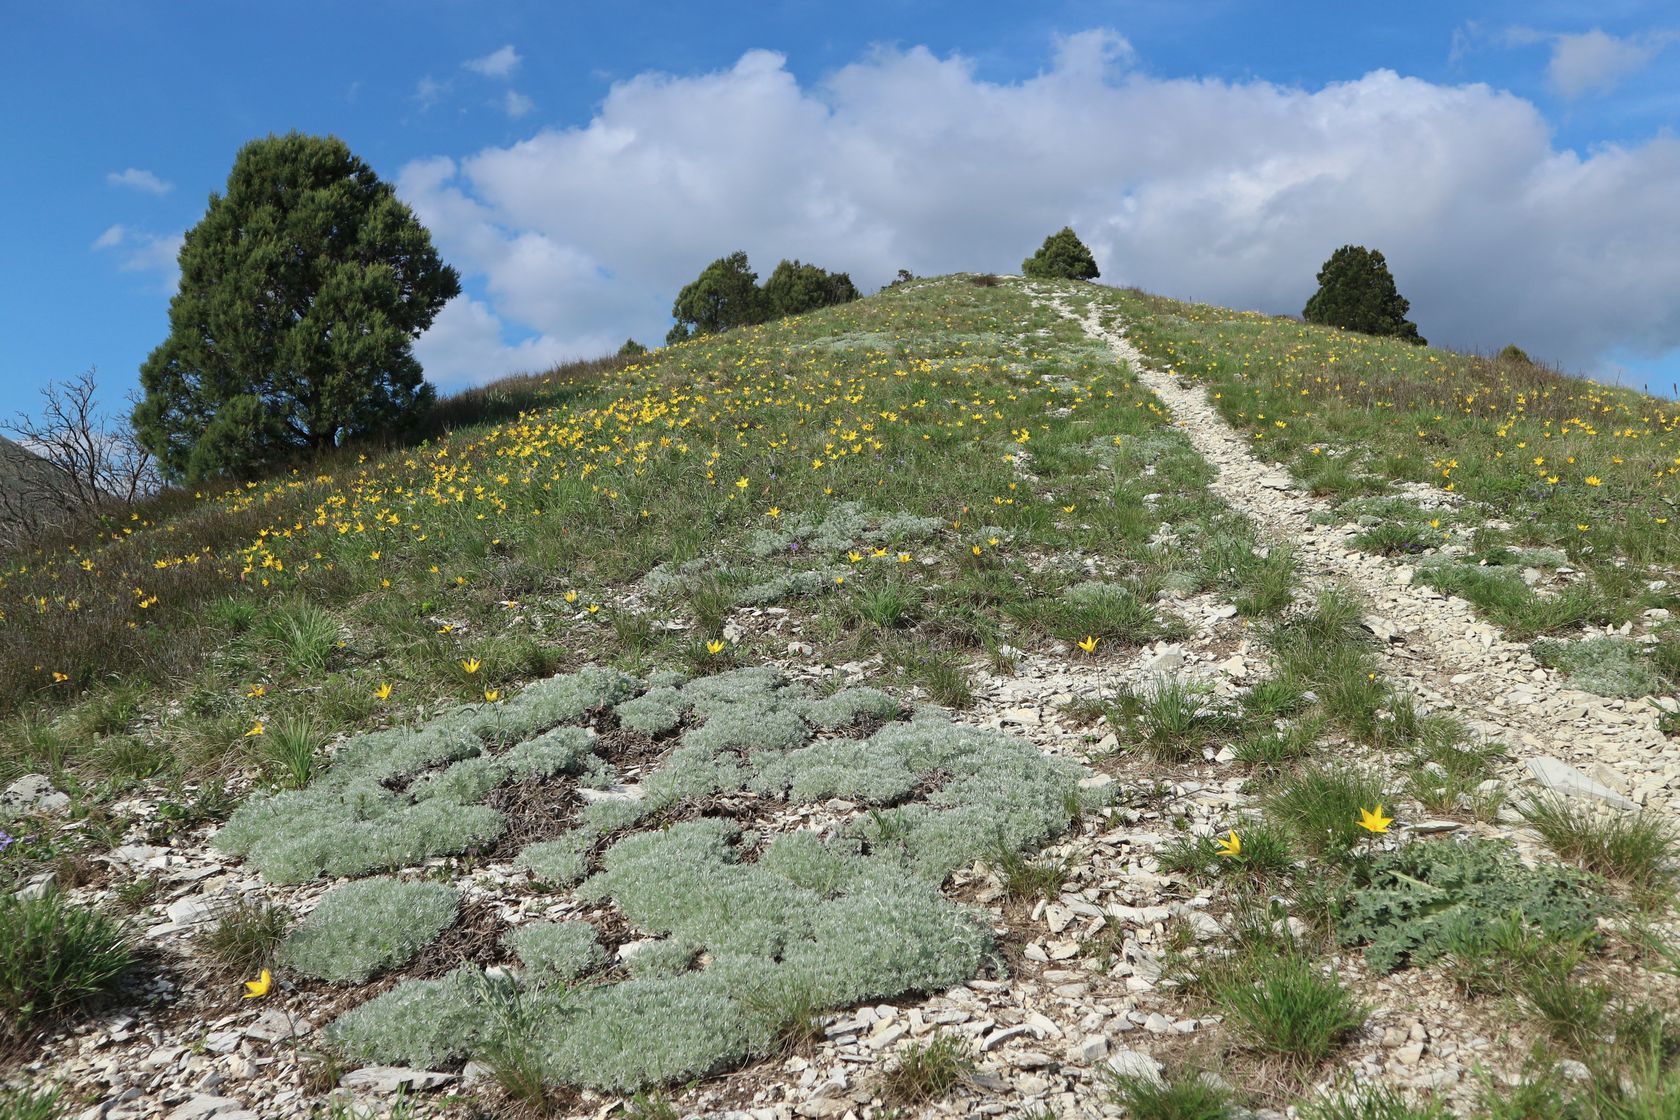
(993, 695)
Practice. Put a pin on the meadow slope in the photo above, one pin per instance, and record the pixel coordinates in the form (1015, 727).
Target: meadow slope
(989, 697)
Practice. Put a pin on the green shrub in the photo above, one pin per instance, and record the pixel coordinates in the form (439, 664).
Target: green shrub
(559, 951)
(1607, 666)
(361, 929)
(1416, 904)
(663, 958)
(348, 822)
(655, 712)
(558, 863)
(56, 954)
(424, 1022)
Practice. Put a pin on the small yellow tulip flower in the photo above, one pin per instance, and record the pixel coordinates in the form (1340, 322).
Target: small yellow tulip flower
(1374, 822)
(258, 988)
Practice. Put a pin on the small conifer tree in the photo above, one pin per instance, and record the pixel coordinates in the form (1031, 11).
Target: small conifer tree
(1062, 257)
(302, 291)
(1356, 292)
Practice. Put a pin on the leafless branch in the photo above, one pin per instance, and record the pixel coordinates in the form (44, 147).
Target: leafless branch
(73, 462)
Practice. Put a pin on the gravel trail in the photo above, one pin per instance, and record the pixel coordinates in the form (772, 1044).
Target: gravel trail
(1433, 645)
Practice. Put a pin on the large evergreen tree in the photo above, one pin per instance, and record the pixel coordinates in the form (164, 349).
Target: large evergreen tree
(795, 288)
(302, 290)
(1356, 292)
(725, 295)
(1062, 257)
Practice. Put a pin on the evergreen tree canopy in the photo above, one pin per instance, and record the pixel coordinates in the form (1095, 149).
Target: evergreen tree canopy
(1357, 292)
(725, 295)
(302, 290)
(795, 288)
(1062, 257)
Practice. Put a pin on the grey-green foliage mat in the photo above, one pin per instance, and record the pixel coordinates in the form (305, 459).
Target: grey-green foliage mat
(364, 928)
(783, 922)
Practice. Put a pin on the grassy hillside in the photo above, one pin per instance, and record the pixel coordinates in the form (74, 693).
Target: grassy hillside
(525, 544)
(679, 649)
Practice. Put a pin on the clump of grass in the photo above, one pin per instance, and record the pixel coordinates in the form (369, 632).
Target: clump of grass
(887, 605)
(1397, 538)
(514, 1062)
(1024, 878)
(1265, 850)
(710, 601)
(291, 748)
(1503, 597)
(1171, 719)
(942, 673)
(792, 1011)
(1320, 805)
(1636, 849)
(1572, 1011)
(646, 1106)
(55, 955)
(1446, 770)
(1267, 586)
(1189, 1096)
(1285, 1005)
(27, 1104)
(927, 1071)
(1271, 748)
(248, 934)
(302, 635)
(1111, 612)
(1379, 1103)
(1261, 580)
(1274, 698)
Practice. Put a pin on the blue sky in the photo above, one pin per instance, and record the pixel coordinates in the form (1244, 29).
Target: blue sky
(1516, 162)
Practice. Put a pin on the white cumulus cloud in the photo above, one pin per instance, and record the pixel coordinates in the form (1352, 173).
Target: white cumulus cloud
(138, 179)
(516, 104)
(1593, 61)
(1232, 192)
(497, 64)
(143, 252)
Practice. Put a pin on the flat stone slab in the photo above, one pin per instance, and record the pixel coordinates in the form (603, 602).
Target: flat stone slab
(1560, 777)
(393, 1079)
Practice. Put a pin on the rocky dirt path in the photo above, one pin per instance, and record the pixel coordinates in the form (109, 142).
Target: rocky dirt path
(1434, 645)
